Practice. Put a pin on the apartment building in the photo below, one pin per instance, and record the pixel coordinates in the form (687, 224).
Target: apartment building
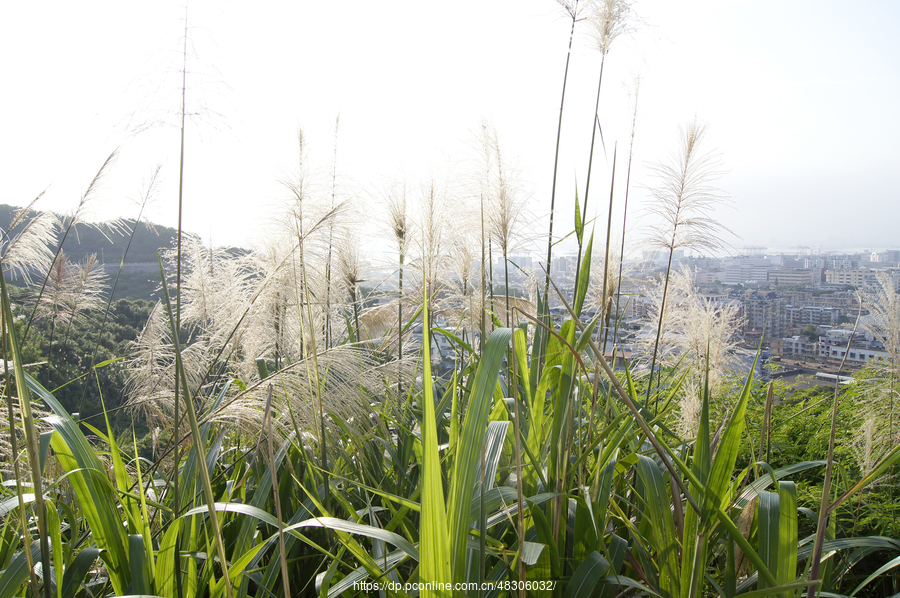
(852, 276)
(788, 277)
(799, 346)
(765, 312)
(796, 316)
(834, 345)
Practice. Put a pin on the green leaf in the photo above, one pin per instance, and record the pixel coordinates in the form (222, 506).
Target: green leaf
(584, 277)
(884, 568)
(13, 503)
(532, 552)
(467, 464)
(717, 494)
(768, 511)
(78, 569)
(584, 339)
(579, 222)
(587, 576)
(140, 568)
(16, 574)
(764, 482)
(235, 507)
(56, 544)
(662, 538)
(434, 566)
(93, 490)
(786, 569)
(361, 529)
(166, 568)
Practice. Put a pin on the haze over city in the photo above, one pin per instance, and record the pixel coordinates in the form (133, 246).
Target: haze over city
(798, 98)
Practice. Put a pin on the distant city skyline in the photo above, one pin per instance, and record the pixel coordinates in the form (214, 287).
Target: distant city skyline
(799, 98)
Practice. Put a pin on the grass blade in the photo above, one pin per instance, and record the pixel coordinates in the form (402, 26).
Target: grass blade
(435, 559)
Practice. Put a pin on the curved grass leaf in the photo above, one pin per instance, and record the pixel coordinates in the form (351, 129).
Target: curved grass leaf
(350, 527)
(77, 569)
(587, 576)
(467, 464)
(16, 574)
(435, 566)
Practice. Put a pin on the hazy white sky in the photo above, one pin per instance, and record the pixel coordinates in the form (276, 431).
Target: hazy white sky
(800, 96)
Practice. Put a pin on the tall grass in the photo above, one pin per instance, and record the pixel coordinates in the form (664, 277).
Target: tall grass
(310, 465)
(536, 481)
(684, 200)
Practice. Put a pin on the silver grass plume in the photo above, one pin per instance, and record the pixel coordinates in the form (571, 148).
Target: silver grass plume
(505, 203)
(464, 299)
(88, 210)
(237, 309)
(595, 295)
(350, 266)
(398, 224)
(876, 430)
(73, 290)
(431, 252)
(683, 201)
(25, 248)
(697, 333)
(505, 200)
(572, 8)
(350, 381)
(151, 365)
(609, 20)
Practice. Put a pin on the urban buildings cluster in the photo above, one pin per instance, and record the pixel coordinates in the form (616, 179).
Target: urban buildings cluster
(801, 305)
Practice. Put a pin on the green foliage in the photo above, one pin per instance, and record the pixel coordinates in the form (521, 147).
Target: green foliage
(522, 460)
(65, 365)
(597, 504)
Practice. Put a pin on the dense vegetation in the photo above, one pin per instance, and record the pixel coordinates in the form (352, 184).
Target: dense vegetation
(265, 429)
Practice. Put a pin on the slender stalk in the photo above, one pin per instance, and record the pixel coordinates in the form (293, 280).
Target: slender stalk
(84, 199)
(824, 509)
(197, 438)
(31, 441)
(662, 310)
(177, 327)
(684, 200)
(491, 274)
(315, 371)
(595, 124)
(604, 318)
(481, 340)
(400, 325)
(520, 495)
(337, 124)
(625, 210)
(562, 101)
(506, 286)
(281, 546)
(14, 452)
(482, 527)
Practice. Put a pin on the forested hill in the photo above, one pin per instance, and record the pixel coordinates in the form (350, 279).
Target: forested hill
(85, 240)
(140, 277)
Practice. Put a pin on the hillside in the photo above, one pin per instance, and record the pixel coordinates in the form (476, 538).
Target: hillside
(139, 277)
